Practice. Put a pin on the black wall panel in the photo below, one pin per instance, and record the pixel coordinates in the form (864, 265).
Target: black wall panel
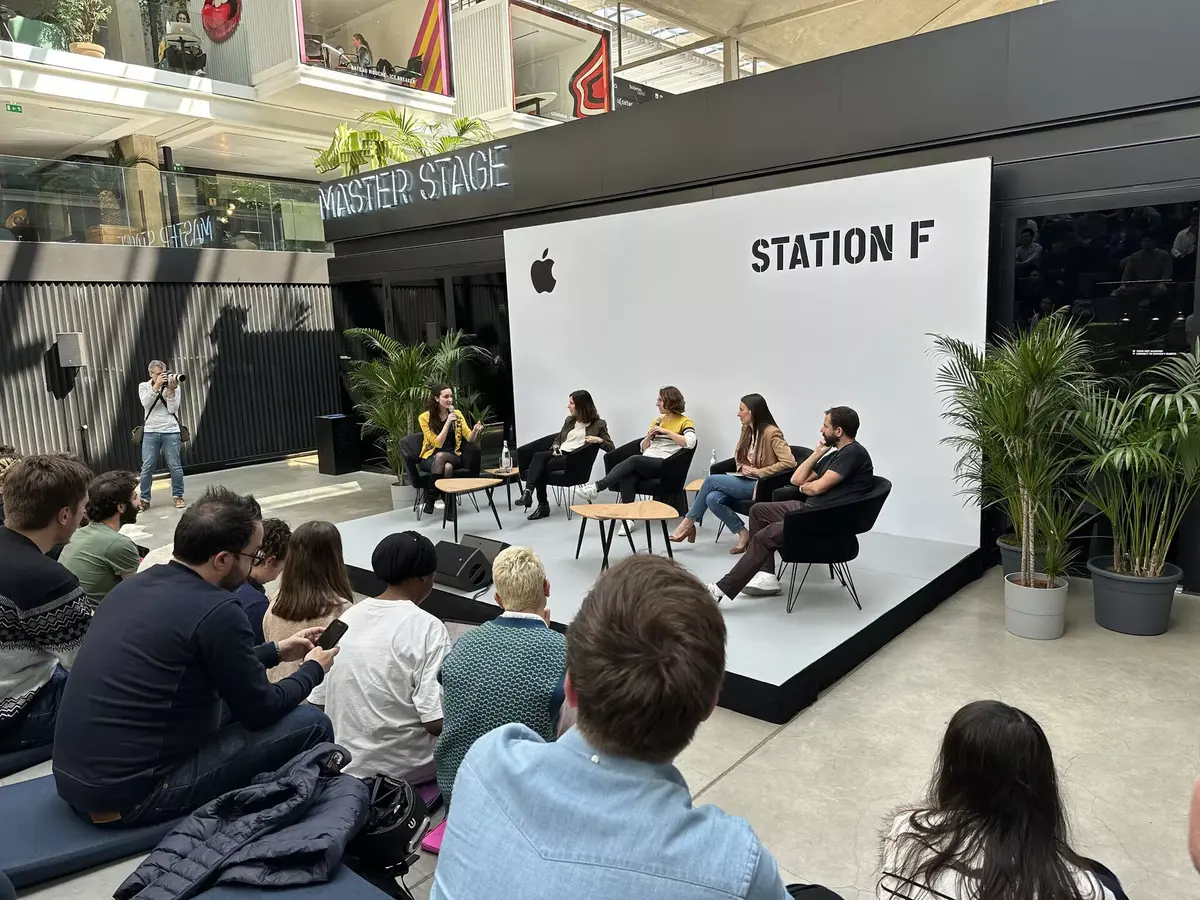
(260, 360)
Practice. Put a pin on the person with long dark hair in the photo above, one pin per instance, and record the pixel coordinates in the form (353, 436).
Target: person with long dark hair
(761, 451)
(439, 423)
(314, 588)
(582, 426)
(993, 825)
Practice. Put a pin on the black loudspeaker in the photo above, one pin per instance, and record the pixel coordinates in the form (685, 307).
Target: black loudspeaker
(339, 448)
(488, 547)
(461, 568)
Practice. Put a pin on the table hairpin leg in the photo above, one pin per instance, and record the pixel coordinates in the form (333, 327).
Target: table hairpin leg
(606, 540)
(667, 539)
(583, 520)
(494, 510)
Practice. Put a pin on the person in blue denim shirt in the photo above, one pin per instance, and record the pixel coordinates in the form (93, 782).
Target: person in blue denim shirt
(602, 813)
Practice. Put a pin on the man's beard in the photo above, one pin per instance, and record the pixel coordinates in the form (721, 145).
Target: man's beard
(233, 580)
(830, 440)
(129, 516)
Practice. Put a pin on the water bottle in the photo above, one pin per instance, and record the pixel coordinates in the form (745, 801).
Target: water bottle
(505, 459)
(712, 462)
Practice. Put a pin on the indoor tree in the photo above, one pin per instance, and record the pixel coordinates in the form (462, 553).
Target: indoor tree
(388, 136)
(1143, 455)
(1013, 406)
(82, 18)
(391, 388)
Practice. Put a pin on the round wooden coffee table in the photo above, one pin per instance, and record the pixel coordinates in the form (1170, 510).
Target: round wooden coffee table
(695, 484)
(452, 487)
(507, 476)
(642, 511)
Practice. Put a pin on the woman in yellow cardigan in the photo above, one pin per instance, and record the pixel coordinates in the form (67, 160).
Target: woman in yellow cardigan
(761, 452)
(438, 424)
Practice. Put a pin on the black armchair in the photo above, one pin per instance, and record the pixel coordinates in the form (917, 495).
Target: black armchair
(410, 449)
(829, 536)
(668, 486)
(578, 469)
(766, 487)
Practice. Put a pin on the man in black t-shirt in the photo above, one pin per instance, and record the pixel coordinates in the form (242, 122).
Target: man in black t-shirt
(838, 471)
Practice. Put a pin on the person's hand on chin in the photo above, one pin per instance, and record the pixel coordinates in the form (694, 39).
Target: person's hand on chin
(299, 645)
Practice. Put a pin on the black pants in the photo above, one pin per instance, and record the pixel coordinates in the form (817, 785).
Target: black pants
(543, 463)
(628, 472)
(812, 892)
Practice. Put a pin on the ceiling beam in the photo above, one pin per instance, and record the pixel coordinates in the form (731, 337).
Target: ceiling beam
(667, 54)
(795, 14)
(131, 126)
(700, 28)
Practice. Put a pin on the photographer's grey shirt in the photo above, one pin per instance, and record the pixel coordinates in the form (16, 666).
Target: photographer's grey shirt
(161, 419)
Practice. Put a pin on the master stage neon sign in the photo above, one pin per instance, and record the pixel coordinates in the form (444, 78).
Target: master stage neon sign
(466, 172)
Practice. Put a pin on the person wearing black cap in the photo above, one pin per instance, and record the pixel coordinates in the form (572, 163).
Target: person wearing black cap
(384, 697)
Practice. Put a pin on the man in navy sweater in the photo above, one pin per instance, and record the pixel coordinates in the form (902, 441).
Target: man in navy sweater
(169, 705)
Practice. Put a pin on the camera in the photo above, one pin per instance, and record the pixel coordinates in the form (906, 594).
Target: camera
(177, 376)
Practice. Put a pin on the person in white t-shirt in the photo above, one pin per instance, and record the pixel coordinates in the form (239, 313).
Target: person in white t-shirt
(161, 431)
(993, 825)
(385, 700)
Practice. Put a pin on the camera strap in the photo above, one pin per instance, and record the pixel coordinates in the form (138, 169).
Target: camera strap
(159, 398)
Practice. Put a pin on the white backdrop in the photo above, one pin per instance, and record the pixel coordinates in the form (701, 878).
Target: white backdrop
(698, 296)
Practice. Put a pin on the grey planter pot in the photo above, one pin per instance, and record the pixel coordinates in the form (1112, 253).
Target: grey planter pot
(1010, 558)
(1038, 614)
(1132, 605)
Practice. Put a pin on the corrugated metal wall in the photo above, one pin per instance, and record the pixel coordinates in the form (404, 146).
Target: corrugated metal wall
(483, 59)
(260, 360)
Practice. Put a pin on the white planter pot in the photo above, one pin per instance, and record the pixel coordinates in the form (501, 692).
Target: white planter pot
(1037, 613)
(403, 495)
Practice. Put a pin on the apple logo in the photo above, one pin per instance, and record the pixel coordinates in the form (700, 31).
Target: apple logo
(541, 273)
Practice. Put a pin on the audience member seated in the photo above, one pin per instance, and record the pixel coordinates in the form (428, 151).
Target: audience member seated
(98, 554)
(761, 451)
(252, 596)
(8, 456)
(669, 433)
(838, 471)
(602, 811)
(509, 670)
(384, 697)
(583, 426)
(313, 590)
(1148, 271)
(437, 423)
(44, 613)
(993, 825)
(169, 705)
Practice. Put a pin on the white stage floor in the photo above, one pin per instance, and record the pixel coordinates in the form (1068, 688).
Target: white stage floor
(766, 644)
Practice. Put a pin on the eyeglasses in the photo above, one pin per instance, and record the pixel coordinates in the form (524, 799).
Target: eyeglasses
(258, 557)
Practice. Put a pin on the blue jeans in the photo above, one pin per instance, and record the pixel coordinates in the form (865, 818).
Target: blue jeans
(168, 445)
(229, 761)
(715, 494)
(36, 726)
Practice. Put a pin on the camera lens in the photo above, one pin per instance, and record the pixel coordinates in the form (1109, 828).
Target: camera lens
(181, 378)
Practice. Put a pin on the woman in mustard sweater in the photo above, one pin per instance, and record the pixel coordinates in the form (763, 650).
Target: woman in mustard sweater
(761, 451)
(669, 433)
(438, 424)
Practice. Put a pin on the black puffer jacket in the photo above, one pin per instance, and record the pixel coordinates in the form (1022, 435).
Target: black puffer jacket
(288, 828)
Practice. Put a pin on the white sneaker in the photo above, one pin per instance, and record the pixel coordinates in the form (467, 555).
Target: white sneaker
(439, 505)
(717, 593)
(586, 492)
(763, 584)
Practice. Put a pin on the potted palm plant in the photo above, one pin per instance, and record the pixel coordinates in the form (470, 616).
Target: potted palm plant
(1012, 406)
(388, 136)
(391, 389)
(1143, 449)
(82, 20)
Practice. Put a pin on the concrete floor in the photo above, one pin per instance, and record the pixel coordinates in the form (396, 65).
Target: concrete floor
(1120, 712)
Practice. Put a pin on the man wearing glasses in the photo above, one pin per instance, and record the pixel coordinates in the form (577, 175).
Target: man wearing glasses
(169, 705)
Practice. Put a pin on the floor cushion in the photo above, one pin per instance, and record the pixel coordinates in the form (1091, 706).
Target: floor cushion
(47, 839)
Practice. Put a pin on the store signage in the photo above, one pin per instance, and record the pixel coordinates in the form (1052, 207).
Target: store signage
(630, 93)
(470, 171)
(874, 243)
(193, 233)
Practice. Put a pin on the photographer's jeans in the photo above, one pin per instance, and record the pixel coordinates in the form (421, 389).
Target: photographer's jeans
(168, 445)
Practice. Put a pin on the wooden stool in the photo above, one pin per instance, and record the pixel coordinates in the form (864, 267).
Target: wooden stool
(507, 478)
(642, 511)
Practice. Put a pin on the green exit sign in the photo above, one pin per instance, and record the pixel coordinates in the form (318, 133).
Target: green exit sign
(13, 107)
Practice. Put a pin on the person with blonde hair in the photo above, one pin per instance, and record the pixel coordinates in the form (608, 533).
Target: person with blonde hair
(314, 588)
(508, 670)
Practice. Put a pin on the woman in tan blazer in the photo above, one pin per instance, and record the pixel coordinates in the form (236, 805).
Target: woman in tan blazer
(761, 451)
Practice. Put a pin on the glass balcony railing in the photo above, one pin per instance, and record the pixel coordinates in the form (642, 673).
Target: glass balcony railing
(53, 201)
(182, 36)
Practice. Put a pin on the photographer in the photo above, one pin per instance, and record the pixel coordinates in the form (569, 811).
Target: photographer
(161, 431)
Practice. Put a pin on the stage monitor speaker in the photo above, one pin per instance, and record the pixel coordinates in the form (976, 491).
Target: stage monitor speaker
(488, 547)
(339, 448)
(70, 349)
(461, 568)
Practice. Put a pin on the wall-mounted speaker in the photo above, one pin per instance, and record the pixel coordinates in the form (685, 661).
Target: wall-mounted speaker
(70, 349)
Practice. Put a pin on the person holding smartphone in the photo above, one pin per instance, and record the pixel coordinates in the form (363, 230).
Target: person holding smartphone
(443, 427)
(160, 397)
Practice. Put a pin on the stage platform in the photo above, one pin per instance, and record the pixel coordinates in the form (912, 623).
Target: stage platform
(777, 663)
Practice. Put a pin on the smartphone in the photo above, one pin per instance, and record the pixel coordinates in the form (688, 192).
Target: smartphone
(332, 634)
